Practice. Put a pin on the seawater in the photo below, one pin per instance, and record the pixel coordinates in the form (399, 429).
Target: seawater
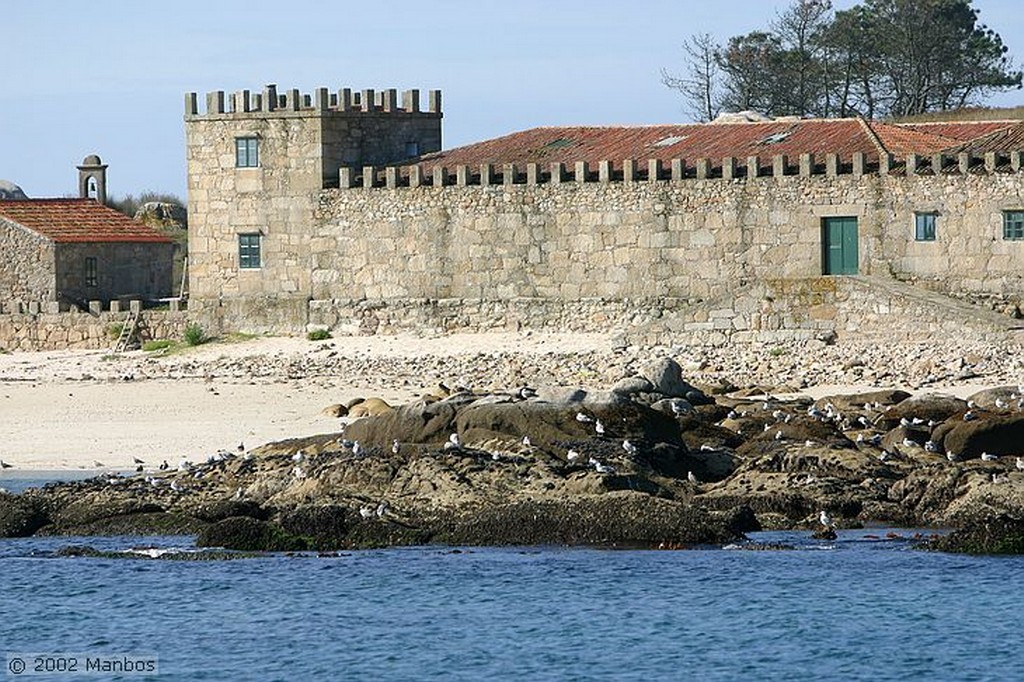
(862, 607)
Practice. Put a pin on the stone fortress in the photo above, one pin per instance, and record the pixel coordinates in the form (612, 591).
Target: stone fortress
(339, 209)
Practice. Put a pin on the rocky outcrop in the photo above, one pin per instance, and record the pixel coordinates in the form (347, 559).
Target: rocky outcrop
(640, 465)
(998, 535)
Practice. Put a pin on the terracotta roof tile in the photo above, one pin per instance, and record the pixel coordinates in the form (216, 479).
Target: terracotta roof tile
(1010, 138)
(714, 141)
(77, 220)
(665, 142)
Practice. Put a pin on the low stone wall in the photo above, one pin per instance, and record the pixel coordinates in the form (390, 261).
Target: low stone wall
(848, 307)
(37, 331)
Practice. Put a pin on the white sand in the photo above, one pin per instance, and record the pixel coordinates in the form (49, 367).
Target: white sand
(51, 418)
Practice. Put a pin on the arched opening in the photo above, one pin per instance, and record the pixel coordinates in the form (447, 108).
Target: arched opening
(91, 190)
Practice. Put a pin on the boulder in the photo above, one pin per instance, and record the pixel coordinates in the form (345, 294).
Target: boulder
(998, 535)
(995, 434)
(20, 516)
(425, 423)
(162, 213)
(1007, 397)
(666, 377)
(929, 406)
(8, 190)
(855, 402)
(631, 386)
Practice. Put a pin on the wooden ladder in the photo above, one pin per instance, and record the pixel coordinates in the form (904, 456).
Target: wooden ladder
(127, 331)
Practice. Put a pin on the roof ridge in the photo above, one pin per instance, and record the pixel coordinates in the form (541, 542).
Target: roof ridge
(873, 136)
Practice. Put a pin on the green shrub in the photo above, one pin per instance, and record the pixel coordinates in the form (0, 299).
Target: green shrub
(195, 335)
(318, 335)
(114, 330)
(157, 344)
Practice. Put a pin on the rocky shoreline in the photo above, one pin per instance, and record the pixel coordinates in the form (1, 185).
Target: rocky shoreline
(658, 460)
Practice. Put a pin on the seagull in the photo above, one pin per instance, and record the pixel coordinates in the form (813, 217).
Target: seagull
(904, 422)
(298, 456)
(381, 510)
(692, 478)
(733, 414)
(808, 443)
(604, 468)
(98, 464)
(599, 428)
(969, 416)
(707, 447)
(825, 519)
(931, 446)
(1001, 404)
(630, 449)
(164, 466)
(176, 487)
(136, 460)
(454, 442)
(5, 465)
(1020, 464)
(298, 473)
(526, 392)
(910, 443)
(526, 441)
(395, 447)
(367, 512)
(583, 418)
(184, 465)
(987, 457)
(572, 455)
(495, 456)
(681, 406)
(778, 435)
(884, 456)
(357, 449)
(241, 447)
(952, 456)
(864, 421)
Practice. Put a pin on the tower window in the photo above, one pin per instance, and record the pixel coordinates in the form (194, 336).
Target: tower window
(412, 149)
(247, 152)
(924, 227)
(249, 251)
(90, 271)
(1013, 225)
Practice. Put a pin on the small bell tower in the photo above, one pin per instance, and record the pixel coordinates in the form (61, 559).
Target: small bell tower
(92, 179)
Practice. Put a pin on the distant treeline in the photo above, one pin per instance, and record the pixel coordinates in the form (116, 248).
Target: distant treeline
(880, 58)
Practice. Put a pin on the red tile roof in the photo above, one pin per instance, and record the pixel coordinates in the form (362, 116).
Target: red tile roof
(1009, 138)
(77, 220)
(714, 141)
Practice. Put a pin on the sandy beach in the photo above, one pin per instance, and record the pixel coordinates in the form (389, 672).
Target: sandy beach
(89, 409)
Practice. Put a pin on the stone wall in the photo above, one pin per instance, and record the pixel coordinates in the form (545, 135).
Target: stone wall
(125, 270)
(28, 265)
(36, 328)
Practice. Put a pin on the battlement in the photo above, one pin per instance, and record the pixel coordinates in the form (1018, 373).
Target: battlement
(727, 169)
(321, 101)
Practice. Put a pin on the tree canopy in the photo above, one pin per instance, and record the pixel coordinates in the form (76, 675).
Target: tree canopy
(879, 58)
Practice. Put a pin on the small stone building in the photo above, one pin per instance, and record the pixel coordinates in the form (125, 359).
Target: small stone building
(76, 250)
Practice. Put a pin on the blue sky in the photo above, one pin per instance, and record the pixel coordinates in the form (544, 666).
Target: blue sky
(109, 76)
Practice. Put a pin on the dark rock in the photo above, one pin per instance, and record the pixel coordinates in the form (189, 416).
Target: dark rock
(630, 519)
(824, 534)
(1007, 396)
(223, 509)
(999, 535)
(20, 516)
(854, 403)
(927, 407)
(997, 435)
(247, 534)
(422, 423)
(631, 386)
(326, 525)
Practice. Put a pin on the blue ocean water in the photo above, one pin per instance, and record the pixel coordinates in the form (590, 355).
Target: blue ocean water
(858, 608)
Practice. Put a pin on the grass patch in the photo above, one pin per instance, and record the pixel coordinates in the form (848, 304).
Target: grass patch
(195, 335)
(778, 351)
(158, 344)
(318, 335)
(114, 330)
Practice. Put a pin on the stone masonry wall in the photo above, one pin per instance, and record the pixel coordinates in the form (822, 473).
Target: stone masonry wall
(51, 330)
(28, 266)
(123, 269)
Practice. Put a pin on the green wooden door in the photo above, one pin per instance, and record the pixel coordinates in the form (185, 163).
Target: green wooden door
(839, 246)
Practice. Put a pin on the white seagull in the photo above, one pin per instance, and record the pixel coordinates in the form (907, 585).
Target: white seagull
(395, 447)
(572, 455)
(583, 418)
(454, 442)
(357, 449)
(1020, 464)
(988, 457)
(692, 478)
(367, 512)
(599, 428)
(526, 441)
(825, 519)
(630, 449)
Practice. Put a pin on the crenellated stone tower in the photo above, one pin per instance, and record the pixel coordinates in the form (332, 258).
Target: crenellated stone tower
(257, 164)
